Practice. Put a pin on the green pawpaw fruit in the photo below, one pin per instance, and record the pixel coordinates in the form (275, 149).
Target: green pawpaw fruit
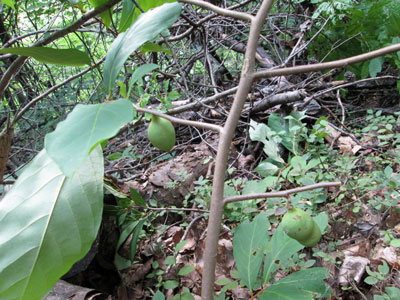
(297, 224)
(161, 133)
(314, 238)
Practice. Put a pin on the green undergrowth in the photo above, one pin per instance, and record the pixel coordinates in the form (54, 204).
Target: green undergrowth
(295, 153)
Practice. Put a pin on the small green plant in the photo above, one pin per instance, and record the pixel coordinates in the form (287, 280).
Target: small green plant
(129, 221)
(258, 257)
(201, 194)
(291, 133)
(390, 239)
(158, 274)
(390, 293)
(382, 126)
(377, 279)
(363, 25)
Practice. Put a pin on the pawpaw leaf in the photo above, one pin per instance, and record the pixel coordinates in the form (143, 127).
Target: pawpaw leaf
(249, 243)
(47, 55)
(146, 28)
(83, 129)
(301, 285)
(47, 223)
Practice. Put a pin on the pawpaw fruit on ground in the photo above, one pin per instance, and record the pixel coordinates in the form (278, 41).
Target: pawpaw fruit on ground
(300, 226)
(161, 133)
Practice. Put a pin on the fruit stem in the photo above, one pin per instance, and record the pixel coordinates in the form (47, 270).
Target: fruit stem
(289, 202)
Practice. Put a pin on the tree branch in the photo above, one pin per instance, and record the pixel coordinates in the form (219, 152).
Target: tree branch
(17, 64)
(328, 65)
(180, 121)
(219, 10)
(280, 193)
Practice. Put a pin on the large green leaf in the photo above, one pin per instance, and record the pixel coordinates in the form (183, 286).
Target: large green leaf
(297, 286)
(85, 127)
(9, 3)
(130, 12)
(146, 5)
(47, 223)
(280, 248)
(145, 29)
(65, 57)
(249, 243)
(128, 8)
(105, 15)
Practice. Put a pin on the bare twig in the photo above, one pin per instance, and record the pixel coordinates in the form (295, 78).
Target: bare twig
(180, 121)
(281, 193)
(328, 65)
(199, 103)
(221, 11)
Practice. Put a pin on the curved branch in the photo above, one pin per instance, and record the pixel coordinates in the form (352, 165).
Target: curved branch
(328, 65)
(17, 64)
(202, 125)
(52, 89)
(280, 193)
(199, 103)
(221, 11)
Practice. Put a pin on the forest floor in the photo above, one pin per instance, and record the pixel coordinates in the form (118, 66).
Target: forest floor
(156, 206)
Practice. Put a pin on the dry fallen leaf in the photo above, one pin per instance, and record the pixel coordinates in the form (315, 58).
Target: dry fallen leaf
(352, 269)
(387, 253)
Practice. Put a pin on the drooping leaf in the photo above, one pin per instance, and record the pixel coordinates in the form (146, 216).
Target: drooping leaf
(153, 47)
(280, 248)
(105, 15)
(170, 284)
(159, 296)
(271, 148)
(65, 57)
(185, 270)
(297, 286)
(393, 292)
(85, 127)
(322, 221)
(254, 187)
(137, 198)
(146, 5)
(258, 131)
(375, 65)
(47, 223)
(249, 243)
(146, 28)
(10, 3)
(128, 9)
(298, 164)
(135, 228)
(275, 122)
(139, 73)
(266, 168)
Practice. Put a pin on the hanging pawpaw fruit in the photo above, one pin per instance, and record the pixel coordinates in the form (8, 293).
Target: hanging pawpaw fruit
(300, 226)
(161, 133)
